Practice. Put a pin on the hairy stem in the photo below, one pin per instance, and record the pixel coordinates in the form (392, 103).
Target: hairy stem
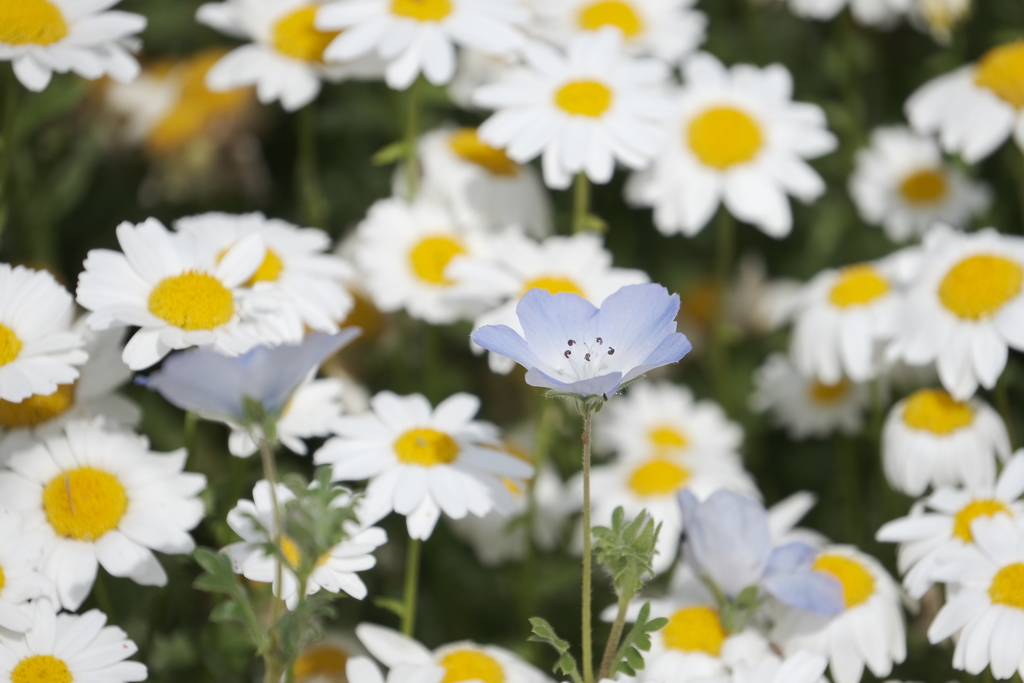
(6, 151)
(412, 584)
(190, 429)
(580, 203)
(314, 203)
(588, 656)
(412, 134)
(612, 646)
(725, 248)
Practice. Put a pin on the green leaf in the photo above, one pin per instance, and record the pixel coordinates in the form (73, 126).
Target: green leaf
(544, 633)
(628, 659)
(626, 550)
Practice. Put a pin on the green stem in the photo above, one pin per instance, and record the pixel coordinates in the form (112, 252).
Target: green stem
(545, 432)
(99, 589)
(725, 248)
(7, 150)
(190, 429)
(314, 203)
(1001, 393)
(412, 135)
(588, 656)
(612, 646)
(412, 585)
(581, 203)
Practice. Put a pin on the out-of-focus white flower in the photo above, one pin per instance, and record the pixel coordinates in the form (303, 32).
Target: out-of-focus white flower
(942, 523)
(901, 183)
(965, 308)
(801, 667)
(296, 266)
(975, 108)
(869, 631)
(940, 16)
(98, 496)
(738, 138)
(931, 439)
(878, 13)
(422, 460)
(326, 659)
(42, 36)
(666, 29)
(805, 407)
(403, 252)
(479, 184)
(414, 36)
(21, 582)
(285, 58)
(335, 571)
(474, 69)
(581, 110)
(514, 264)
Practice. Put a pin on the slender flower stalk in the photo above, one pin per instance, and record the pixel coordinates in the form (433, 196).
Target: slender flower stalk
(412, 585)
(608, 660)
(412, 134)
(10, 110)
(314, 203)
(588, 656)
(581, 203)
(725, 247)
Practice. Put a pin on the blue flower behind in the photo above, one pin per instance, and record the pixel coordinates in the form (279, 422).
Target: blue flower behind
(573, 347)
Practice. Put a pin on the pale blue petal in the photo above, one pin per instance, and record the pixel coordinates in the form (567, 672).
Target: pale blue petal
(789, 558)
(671, 349)
(549, 321)
(201, 381)
(273, 374)
(807, 590)
(635, 320)
(504, 341)
(603, 385)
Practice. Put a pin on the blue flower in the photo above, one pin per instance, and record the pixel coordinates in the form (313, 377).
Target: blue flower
(729, 543)
(573, 347)
(219, 387)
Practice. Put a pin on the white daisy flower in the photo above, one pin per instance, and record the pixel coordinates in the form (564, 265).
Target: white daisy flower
(20, 582)
(986, 611)
(514, 264)
(43, 36)
(98, 495)
(878, 13)
(285, 60)
(325, 660)
(297, 265)
(38, 348)
(69, 647)
(403, 252)
(807, 408)
(474, 69)
(458, 662)
(842, 317)
(655, 417)
(310, 413)
(931, 439)
(964, 309)
(497, 539)
(415, 36)
(652, 481)
(901, 183)
(422, 460)
(975, 108)
(582, 110)
(942, 523)
(93, 394)
(869, 631)
(335, 571)
(179, 294)
(801, 667)
(666, 29)
(739, 138)
(940, 16)
(479, 184)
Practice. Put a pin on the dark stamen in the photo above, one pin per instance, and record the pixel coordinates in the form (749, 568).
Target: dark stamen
(600, 341)
(571, 342)
(568, 353)
(586, 357)
(611, 351)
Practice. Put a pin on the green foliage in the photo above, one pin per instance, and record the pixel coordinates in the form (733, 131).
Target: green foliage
(626, 549)
(544, 633)
(628, 659)
(218, 577)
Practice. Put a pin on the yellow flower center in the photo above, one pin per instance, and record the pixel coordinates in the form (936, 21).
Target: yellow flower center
(667, 436)
(422, 10)
(432, 255)
(466, 144)
(935, 411)
(611, 13)
(828, 394)
(658, 477)
(290, 550)
(1001, 70)
(321, 661)
(970, 512)
(979, 285)
(1008, 586)
(695, 629)
(41, 668)
(31, 22)
(10, 345)
(197, 108)
(269, 270)
(192, 301)
(36, 409)
(925, 186)
(858, 584)
(471, 665)
(427, 447)
(857, 285)
(295, 35)
(554, 284)
(584, 98)
(3, 579)
(722, 137)
(84, 503)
